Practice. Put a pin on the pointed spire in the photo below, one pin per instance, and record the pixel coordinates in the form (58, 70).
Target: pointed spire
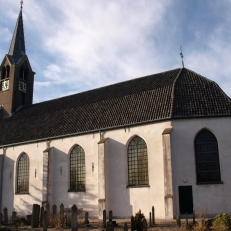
(17, 47)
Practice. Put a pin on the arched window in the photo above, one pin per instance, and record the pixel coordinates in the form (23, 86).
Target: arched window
(7, 71)
(207, 157)
(23, 73)
(3, 73)
(137, 162)
(77, 169)
(23, 174)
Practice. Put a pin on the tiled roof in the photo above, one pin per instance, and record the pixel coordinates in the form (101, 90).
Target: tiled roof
(171, 94)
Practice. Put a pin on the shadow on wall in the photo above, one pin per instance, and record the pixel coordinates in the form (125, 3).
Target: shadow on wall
(117, 180)
(8, 185)
(87, 200)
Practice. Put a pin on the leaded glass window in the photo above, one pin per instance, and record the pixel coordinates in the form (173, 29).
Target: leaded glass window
(77, 168)
(137, 162)
(23, 174)
(207, 157)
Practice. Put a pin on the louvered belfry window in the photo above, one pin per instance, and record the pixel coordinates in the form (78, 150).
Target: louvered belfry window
(77, 168)
(137, 162)
(207, 157)
(23, 174)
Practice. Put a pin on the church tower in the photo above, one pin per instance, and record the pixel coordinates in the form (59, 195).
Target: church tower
(16, 75)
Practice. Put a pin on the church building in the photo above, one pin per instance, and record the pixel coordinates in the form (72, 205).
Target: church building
(161, 140)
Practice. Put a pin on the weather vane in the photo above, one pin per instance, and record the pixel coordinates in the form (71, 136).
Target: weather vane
(21, 2)
(181, 54)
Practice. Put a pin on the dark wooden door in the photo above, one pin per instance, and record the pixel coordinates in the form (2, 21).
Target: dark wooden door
(186, 199)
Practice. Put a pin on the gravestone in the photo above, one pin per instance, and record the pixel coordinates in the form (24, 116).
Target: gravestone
(150, 219)
(29, 218)
(110, 216)
(153, 215)
(144, 224)
(104, 218)
(35, 216)
(74, 210)
(54, 210)
(0, 218)
(25, 222)
(67, 212)
(194, 219)
(186, 219)
(5, 216)
(48, 210)
(62, 211)
(178, 222)
(86, 218)
(132, 223)
(45, 221)
(125, 227)
(14, 214)
(109, 228)
(41, 216)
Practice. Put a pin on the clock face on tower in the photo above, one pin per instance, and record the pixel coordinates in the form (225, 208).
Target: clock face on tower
(5, 85)
(22, 86)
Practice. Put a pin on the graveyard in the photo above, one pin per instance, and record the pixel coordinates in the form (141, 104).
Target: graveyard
(47, 218)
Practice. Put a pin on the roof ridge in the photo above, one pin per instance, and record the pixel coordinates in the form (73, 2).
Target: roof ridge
(173, 90)
(118, 83)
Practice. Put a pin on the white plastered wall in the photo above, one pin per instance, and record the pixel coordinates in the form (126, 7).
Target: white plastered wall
(123, 201)
(214, 198)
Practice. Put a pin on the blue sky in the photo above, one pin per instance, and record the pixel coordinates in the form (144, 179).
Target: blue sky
(74, 46)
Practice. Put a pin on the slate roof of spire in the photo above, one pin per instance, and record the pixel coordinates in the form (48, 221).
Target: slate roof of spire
(17, 47)
(172, 94)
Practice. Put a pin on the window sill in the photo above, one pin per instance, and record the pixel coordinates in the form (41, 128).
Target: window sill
(25, 193)
(139, 186)
(212, 182)
(76, 190)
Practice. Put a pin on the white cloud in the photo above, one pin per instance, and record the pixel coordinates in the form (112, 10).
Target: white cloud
(75, 46)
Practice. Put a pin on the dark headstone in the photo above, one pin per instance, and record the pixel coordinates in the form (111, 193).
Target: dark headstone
(144, 224)
(0, 218)
(35, 216)
(14, 214)
(54, 210)
(110, 216)
(132, 223)
(25, 222)
(41, 216)
(125, 227)
(186, 219)
(62, 211)
(74, 224)
(104, 218)
(194, 219)
(86, 218)
(109, 228)
(45, 221)
(150, 219)
(29, 218)
(48, 210)
(153, 215)
(178, 221)
(5, 216)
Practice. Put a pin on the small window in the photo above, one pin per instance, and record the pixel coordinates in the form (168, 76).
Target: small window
(77, 169)
(207, 157)
(23, 174)
(137, 162)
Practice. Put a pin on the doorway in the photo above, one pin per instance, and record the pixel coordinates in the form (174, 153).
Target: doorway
(185, 199)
